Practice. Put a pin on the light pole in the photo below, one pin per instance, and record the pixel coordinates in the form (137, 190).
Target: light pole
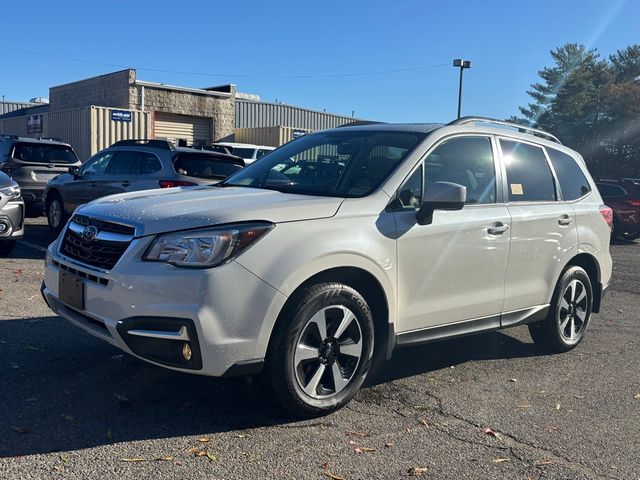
(462, 64)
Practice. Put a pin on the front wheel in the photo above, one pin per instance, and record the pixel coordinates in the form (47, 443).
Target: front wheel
(55, 214)
(322, 352)
(569, 313)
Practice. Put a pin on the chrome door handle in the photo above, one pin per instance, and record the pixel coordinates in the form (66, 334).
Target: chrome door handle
(564, 220)
(497, 228)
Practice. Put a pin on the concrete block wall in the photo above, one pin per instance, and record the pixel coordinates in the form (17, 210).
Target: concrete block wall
(111, 90)
(220, 108)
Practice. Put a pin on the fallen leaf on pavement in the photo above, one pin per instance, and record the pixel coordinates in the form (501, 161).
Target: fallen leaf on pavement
(636, 396)
(425, 422)
(212, 457)
(109, 435)
(58, 468)
(500, 460)
(203, 439)
(579, 397)
(332, 476)
(68, 418)
(513, 380)
(65, 457)
(389, 445)
(166, 458)
(544, 462)
(134, 459)
(557, 406)
(358, 434)
(242, 435)
(417, 471)
(122, 398)
(490, 432)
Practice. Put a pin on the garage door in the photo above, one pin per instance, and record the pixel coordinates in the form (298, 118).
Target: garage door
(175, 127)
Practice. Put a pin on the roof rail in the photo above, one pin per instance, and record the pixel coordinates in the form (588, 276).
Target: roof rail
(504, 123)
(356, 123)
(160, 144)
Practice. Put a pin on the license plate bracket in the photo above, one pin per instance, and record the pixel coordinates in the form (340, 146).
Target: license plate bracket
(71, 290)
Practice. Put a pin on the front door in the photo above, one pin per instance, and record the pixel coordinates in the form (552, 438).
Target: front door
(79, 191)
(454, 268)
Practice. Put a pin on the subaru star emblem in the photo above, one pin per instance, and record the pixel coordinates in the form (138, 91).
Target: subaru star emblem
(89, 233)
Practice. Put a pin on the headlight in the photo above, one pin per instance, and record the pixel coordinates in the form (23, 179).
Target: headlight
(204, 248)
(12, 192)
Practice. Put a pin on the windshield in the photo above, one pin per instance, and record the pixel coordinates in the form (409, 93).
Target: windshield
(33, 152)
(336, 163)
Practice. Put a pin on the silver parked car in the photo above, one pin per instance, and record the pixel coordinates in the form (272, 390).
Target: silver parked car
(319, 260)
(131, 165)
(11, 214)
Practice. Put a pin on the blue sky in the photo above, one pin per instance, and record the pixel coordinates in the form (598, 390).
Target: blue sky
(252, 43)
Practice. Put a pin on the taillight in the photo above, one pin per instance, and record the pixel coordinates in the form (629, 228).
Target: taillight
(634, 203)
(607, 214)
(175, 183)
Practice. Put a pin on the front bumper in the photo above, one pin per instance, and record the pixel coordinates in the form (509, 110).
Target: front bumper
(12, 220)
(227, 312)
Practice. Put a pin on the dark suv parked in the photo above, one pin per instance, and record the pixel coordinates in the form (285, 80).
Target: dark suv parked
(11, 214)
(131, 165)
(33, 162)
(623, 196)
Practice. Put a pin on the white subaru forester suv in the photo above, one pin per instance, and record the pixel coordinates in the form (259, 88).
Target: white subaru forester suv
(317, 261)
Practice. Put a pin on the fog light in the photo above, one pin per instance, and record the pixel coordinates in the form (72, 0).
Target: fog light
(3, 227)
(186, 351)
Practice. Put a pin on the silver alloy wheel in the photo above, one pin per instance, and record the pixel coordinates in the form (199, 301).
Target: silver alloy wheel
(572, 313)
(55, 213)
(328, 352)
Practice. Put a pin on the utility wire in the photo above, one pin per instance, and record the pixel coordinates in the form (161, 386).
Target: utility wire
(235, 75)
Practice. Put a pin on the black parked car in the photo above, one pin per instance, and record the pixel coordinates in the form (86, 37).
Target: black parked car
(33, 162)
(131, 165)
(11, 214)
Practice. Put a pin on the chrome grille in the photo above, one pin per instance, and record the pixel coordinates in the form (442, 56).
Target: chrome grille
(104, 250)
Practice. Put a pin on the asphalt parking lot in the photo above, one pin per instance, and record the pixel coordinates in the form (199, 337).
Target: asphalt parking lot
(489, 406)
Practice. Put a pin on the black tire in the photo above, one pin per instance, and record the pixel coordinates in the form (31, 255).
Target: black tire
(6, 246)
(567, 321)
(297, 329)
(52, 199)
(615, 229)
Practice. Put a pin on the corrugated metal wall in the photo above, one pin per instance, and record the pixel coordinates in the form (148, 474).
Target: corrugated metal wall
(88, 130)
(273, 136)
(105, 132)
(250, 114)
(6, 107)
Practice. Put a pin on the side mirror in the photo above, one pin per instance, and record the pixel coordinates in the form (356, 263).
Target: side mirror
(75, 171)
(441, 196)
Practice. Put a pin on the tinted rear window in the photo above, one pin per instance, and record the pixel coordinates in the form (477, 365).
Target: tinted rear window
(573, 183)
(38, 153)
(611, 191)
(204, 166)
(528, 175)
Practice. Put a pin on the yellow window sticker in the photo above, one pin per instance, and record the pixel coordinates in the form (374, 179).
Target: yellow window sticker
(516, 189)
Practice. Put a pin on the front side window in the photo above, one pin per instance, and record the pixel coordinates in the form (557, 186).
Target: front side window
(97, 165)
(410, 194)
(467, 161)
(573, 183)
(529, 178)
(348, 163)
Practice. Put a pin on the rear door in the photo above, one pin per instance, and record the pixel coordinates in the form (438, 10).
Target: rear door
(34, 164)
(543, 228)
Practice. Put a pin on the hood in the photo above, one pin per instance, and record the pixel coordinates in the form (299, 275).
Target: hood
(166, 210)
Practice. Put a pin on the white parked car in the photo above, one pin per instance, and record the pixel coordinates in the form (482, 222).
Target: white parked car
(248, 152)
(347, 244)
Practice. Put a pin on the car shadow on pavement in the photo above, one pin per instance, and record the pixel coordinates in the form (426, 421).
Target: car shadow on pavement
(35, 235)
(416, 360)
(63, 390)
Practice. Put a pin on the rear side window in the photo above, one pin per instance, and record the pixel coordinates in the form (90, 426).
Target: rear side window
(124, 163)
(204, 166)
(149, 163)
(529, 178)
(573, 183)
(611, 191)
(467, 161)
(244, 152)
(39, 153)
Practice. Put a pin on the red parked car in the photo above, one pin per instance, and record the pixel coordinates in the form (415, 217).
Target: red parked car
(623, 196)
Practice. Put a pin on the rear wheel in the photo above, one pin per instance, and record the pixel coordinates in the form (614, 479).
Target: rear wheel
(322, 352)
(6, 247)
(56, 216)
(569, 313)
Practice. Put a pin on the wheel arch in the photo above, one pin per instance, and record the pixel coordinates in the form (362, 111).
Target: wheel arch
(590, 265)
(365, 283)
